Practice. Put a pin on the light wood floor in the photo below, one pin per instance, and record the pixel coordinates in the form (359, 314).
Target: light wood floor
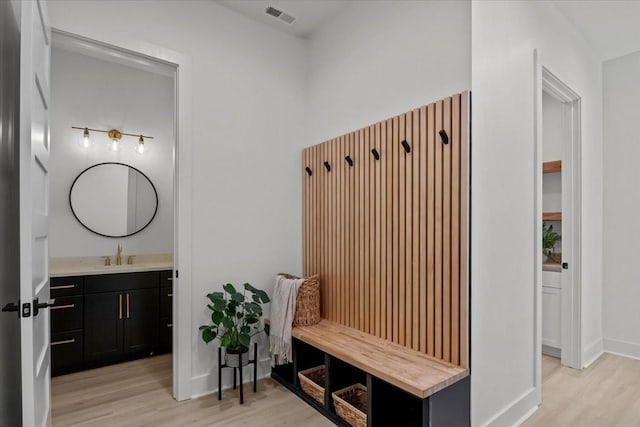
(139, 394)
(607, 394)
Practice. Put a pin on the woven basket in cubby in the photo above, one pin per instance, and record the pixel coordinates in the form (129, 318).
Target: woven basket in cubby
(351, 404)
(312, 382)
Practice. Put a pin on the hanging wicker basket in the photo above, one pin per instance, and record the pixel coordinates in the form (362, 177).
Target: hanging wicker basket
(307, 302)
(312, 382)
(351, 404)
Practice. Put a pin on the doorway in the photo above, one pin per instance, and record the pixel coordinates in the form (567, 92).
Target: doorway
(99, 86)
(558, 196)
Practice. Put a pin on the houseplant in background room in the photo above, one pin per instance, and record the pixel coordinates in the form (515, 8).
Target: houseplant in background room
(549, 240)
(235, 318)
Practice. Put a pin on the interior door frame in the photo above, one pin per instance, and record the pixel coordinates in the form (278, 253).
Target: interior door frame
(182, 321)
(571, 294)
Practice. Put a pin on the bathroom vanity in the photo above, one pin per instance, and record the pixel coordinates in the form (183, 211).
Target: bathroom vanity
(109, 315)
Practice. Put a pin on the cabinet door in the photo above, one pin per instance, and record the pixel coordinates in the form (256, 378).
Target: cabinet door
(103, 325)
(141, 321)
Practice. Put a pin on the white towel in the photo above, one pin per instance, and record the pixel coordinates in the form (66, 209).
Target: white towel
(283, 308)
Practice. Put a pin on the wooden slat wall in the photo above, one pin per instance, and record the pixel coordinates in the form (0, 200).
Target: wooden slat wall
(389, 237)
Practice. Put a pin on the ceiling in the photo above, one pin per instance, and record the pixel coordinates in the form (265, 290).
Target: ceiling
(310, 14)
(612, 27)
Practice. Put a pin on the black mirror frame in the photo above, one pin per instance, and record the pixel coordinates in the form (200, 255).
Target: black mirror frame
(122, 164)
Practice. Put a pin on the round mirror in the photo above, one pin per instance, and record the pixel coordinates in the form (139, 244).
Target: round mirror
(113, 199)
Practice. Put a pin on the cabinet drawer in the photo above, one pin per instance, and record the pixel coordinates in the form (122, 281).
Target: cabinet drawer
(66, 314)
(120, 282)
(166, 301)
(66, 286)
(66, 352)
(166, 278)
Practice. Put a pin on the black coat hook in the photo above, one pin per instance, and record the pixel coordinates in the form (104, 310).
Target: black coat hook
(327, 166)
(349, 160)
(444, 136)
(309, 172)
(406, 146)
(375, 153)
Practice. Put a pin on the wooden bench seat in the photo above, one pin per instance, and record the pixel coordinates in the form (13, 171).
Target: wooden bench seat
(409, 370)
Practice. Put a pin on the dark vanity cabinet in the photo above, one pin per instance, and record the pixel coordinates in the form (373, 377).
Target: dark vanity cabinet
(67, 325)
(110, 318)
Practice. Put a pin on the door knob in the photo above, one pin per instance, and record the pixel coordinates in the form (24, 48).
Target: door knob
(38, 305)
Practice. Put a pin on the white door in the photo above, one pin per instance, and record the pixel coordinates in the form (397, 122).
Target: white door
(35, 48)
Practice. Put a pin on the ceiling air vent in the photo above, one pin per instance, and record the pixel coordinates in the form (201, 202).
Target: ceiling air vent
(285, 17)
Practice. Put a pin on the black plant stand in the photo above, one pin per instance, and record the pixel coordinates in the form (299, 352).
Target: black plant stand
(253, 362)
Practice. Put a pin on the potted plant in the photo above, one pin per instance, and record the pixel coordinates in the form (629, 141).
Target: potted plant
(549, 240)
(234, 320)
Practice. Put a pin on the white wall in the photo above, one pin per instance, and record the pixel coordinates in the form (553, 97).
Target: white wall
(621, 292)
(248, 85)
(503, 302)
(91, 92)
(378, 59)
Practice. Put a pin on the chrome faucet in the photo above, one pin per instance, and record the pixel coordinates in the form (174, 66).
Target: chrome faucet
(119, 255)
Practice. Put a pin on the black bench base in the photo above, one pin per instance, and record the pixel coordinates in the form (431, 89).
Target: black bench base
(387, 404)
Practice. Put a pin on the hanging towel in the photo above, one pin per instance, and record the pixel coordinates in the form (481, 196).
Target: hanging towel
(283, 308)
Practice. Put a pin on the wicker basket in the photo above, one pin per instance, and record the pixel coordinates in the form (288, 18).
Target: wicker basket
(351, 404)
(307, 301)
(312, 382)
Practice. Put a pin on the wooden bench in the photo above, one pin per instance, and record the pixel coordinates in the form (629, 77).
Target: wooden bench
(404, 387)
(409, 370)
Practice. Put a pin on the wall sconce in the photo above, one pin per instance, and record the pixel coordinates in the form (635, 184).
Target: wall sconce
(115, 137)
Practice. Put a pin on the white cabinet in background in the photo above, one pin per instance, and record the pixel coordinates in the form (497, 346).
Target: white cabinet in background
(551, 309)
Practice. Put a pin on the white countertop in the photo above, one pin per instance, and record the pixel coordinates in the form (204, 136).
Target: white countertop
(90, 266)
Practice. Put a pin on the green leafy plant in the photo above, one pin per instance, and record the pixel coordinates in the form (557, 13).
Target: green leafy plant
(234, 316)
(549, 240)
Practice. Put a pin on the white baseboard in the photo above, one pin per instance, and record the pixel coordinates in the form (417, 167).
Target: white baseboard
(518, 411)
(592, 353)
(622, 348)
(206, 384)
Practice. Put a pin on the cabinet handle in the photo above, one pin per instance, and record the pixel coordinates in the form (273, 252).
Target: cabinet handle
(127, 306)
(120, 306)
(58, 307)
(169, 325)
(54, 288)
(170, 279)
(71, 341)
(169, 295)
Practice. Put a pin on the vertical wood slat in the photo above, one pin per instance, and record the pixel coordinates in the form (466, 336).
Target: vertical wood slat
(361, 262)
(455, 230)
(396, 229)
(389, 236)
(423, 298)
(446, 235)
(352, 227)
(378, 217)
(402, 253)
(431, 228)
(388, 176)
(464, 238)
(415, 234)
(438, 234)
(384, 295)
(408, 231)
(326, 231)
(372, 233)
